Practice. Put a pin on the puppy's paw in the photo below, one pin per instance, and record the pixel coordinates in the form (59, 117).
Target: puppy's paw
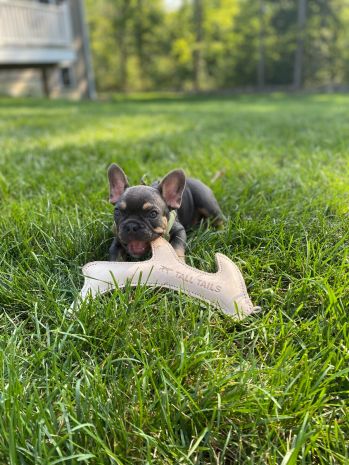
(180, 252)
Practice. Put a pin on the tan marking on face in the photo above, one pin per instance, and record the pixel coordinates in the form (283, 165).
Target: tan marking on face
(122, 205)
(159, 230)
(164, 222)
(147, 206)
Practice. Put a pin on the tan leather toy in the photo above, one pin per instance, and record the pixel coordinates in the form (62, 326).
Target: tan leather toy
(224, 289)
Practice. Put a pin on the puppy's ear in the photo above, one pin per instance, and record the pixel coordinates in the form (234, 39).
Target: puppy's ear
(118, 182)
(171, 188)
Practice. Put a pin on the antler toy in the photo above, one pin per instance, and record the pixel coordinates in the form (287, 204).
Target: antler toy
(224, 289)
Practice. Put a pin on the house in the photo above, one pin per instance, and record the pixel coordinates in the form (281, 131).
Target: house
(44, 49)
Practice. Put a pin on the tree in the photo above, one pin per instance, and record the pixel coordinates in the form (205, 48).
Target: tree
(121, 23)
(261, 47)
(298, 60)
(148, 38)
(139, 35)
(198, 11)
(218, 44)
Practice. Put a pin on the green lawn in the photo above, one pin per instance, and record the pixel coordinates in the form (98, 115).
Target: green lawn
(144, 377)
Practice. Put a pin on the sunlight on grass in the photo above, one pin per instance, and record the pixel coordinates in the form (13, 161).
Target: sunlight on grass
(155, 377)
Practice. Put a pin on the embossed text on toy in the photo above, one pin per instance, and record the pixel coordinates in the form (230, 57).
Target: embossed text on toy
(192, 279)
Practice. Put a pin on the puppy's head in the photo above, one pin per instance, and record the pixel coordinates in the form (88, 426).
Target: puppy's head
(141, 212)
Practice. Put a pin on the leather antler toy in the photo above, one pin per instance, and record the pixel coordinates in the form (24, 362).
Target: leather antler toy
(224, 289)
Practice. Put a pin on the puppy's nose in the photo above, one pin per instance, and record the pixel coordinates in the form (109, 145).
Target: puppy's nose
(132, 227)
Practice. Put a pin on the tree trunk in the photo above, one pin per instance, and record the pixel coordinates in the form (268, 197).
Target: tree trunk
(298, 60)
(140, 38)
(261, 48)
(197, 54)
(121, 24)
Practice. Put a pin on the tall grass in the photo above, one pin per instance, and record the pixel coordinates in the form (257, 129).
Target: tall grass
(144, 377)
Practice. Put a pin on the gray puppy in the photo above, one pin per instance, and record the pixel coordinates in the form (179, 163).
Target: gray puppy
(167, 208)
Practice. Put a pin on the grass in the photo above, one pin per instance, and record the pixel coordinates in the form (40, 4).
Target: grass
(144, 377)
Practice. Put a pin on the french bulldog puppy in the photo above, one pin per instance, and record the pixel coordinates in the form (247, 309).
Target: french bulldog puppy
(169, 207)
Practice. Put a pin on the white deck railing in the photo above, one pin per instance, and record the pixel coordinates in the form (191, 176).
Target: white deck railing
(27, 24)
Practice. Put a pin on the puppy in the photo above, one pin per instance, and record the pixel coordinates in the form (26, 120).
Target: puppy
(144, 213)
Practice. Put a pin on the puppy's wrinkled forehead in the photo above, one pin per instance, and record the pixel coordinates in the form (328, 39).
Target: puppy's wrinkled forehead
(138, 198)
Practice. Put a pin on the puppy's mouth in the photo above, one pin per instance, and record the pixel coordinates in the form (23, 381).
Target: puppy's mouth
(138, 248)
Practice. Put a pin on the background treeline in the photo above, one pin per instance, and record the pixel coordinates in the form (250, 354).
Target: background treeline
(219, 44)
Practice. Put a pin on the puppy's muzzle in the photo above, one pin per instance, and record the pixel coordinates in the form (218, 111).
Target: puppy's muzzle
(133, 227)
(135, 230)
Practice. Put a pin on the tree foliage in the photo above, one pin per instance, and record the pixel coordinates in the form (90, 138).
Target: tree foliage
(218, 44)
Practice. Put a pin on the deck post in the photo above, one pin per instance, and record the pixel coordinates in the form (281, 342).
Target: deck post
(45, 82)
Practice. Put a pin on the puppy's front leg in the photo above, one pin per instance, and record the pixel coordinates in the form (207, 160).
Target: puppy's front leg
(178, 239)
(116, 251)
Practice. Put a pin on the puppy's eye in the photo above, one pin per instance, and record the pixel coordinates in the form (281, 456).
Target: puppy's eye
(153, 214)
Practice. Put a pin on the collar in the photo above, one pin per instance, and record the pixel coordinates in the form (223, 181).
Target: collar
(170, 223)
